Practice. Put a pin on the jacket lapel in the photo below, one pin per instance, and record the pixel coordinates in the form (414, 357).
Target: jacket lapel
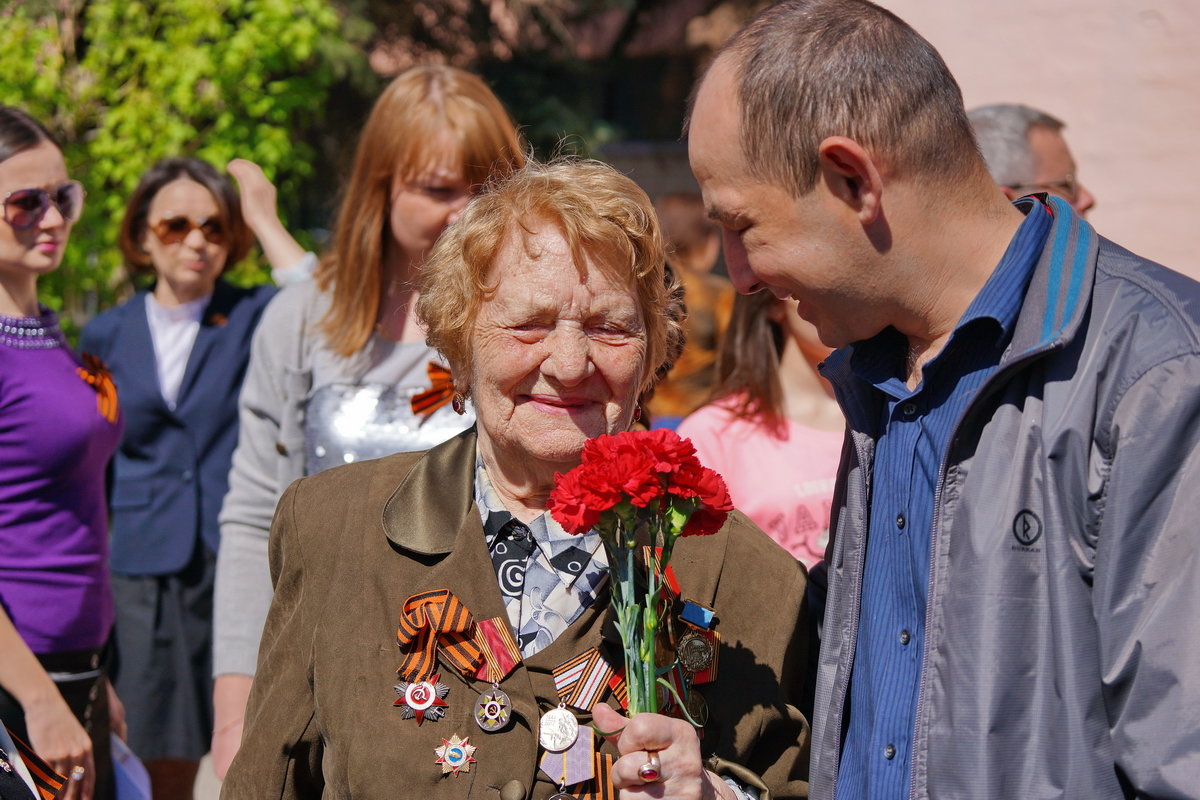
(136, 361)
(432, 517)
(426, 513)
(215, 317)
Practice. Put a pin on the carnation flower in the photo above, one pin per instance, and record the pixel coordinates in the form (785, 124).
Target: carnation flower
(638, 488)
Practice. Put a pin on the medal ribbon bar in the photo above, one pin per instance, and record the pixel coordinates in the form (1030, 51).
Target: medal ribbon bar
(499, 648)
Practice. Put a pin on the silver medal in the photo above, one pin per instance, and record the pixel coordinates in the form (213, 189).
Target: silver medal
(558, 730)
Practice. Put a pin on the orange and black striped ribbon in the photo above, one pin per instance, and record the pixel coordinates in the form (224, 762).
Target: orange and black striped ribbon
(442, 391)
(48, 782)
(600, 787)
(434, 623)
(96, 375)
(499, 648)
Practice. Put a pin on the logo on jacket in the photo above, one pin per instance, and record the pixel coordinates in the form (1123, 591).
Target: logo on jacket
(1027, 527)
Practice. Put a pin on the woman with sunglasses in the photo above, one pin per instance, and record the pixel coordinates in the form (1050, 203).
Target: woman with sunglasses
(59, 424)
(340, 370)
(178, 353)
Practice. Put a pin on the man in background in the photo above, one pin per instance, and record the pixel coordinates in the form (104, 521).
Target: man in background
(1025, 152)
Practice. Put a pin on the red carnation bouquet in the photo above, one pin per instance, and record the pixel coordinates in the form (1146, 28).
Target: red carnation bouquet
(641, 490)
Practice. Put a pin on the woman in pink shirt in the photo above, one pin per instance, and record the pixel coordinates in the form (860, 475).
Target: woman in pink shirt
(772, 427)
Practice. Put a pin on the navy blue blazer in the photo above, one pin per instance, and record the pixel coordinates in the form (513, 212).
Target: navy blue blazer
(171, 472)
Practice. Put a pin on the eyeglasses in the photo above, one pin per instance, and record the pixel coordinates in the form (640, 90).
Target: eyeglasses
(25, 208)
(1067, 188)
(173, 230)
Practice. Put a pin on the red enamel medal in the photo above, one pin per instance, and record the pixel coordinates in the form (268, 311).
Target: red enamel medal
(422, 699)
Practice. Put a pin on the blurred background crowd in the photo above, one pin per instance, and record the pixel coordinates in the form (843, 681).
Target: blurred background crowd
(283, 90)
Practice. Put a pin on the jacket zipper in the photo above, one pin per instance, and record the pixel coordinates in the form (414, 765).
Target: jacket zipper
(984, 392)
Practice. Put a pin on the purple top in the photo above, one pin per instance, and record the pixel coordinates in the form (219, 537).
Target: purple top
(55, 442)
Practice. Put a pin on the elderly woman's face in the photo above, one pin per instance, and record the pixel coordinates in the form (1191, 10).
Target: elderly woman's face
(558, 355)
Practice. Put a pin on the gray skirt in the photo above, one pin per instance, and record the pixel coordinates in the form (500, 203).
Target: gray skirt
(163, 672)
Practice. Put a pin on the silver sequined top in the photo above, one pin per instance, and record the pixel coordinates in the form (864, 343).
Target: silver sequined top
(372, 417)
(347, 422)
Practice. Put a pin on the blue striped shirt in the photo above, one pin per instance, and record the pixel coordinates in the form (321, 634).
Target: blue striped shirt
(911, 439)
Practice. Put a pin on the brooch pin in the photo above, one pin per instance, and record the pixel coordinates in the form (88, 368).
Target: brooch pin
(422, 699)
(455, 755)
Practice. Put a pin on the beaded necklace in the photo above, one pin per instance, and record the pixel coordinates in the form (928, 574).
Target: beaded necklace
(31, 333)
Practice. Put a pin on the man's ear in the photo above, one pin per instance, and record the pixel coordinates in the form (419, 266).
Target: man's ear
(852, 174)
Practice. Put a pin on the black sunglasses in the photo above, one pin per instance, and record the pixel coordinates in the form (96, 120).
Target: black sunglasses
(25, 208)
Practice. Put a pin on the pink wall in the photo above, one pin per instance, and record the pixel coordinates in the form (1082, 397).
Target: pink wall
(1125, 77)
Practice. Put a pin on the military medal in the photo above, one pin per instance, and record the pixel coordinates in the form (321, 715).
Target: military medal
(455, 755)
(699, 649)
(422, 699)
(492, 710)
(558, 729)
(695, 652)
(495, 641)
(697, 708)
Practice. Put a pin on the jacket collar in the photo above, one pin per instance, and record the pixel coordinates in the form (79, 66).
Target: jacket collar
(1055, 302)
(1058, 296)
(431, 526)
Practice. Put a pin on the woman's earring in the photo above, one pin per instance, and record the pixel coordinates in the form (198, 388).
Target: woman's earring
(459, 403)
(637, 413)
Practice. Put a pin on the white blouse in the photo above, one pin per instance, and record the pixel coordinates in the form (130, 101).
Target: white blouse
(173, 330)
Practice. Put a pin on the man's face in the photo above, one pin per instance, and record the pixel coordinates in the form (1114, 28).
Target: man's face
(1056, 168)
(802, 248)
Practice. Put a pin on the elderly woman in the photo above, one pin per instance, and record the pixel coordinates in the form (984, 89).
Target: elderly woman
(547, 297)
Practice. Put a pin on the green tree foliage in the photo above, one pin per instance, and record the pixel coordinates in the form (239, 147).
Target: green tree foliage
(123, 83)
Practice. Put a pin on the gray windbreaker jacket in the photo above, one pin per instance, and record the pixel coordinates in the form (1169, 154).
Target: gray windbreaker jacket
(1062, 649)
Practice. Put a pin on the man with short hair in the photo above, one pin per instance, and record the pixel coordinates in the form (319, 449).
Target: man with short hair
(1013, 574)
(1025, 152)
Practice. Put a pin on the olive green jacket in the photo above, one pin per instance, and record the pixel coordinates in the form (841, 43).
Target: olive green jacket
(350, 545)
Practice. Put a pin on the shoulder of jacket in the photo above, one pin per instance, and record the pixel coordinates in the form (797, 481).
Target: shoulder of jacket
(1169, 301)
(352, 478)
(101, 326)
(294, 305)
(284, 327)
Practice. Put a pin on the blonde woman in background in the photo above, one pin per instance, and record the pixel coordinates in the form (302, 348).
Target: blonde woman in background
(338, 361)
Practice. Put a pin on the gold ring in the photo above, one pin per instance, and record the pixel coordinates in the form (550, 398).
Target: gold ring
(651, 771)
(77, 773)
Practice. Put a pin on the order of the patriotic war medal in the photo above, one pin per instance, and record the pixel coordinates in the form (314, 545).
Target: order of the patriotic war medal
(695, 652)
(492, 710)
(557, 730)
(455, 755)
(424, 700)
